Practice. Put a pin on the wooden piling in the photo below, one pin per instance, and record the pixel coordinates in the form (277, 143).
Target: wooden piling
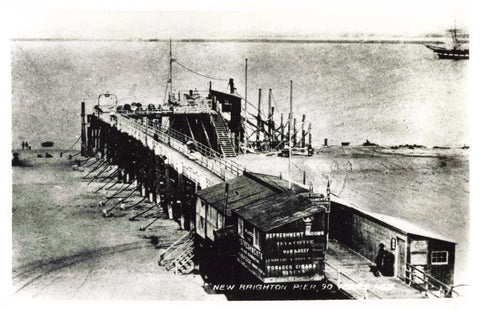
(303, 130)
(294, 136)
(245, 107)
(270, 112)
(232, 86)
(282, 131)
(310, 134)
(259, 117)
(83, 146)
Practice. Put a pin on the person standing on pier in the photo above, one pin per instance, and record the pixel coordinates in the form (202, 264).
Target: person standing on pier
(379, 260)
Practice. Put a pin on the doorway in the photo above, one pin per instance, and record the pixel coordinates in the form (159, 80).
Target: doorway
(401, 258)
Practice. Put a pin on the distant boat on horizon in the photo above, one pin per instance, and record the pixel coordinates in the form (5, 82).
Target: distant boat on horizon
(345, 143)
(457, 51)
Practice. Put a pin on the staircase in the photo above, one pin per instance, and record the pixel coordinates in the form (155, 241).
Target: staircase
(178, 257)
(223, 138)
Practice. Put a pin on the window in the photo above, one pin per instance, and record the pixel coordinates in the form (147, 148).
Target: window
(219, 220)
(200, 219)
(439, 257)
(256, 238)
(240, 227)
(211, 222)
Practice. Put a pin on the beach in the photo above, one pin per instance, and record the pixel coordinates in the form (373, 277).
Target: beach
(391, 94)
(64, 249)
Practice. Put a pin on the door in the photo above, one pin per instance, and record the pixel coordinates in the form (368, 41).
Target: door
(401, 258)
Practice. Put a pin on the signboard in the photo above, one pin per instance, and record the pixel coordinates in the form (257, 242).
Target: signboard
(418, 259)
(419, 246)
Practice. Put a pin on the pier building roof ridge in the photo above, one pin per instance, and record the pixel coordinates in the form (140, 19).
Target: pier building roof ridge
(397, 223)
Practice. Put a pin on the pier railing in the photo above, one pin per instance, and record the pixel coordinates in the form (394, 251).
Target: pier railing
(347, 284)
(177, 110)
(192, 149)
(419, 279)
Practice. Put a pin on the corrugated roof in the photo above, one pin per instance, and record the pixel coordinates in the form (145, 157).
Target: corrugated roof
(272, 212)
(398, 223)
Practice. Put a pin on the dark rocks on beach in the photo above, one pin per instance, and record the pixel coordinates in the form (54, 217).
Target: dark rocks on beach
(16, 160)
(154, 240)
(48, 155)
(47, 144)
(408, 146)
(368, 143)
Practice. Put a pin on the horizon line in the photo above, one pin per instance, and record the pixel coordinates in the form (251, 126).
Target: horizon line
(250, 40)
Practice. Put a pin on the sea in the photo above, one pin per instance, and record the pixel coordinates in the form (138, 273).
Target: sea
(390, 94)
(387, 93)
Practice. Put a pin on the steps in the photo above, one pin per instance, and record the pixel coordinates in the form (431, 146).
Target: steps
(178, 258)
(223, 138)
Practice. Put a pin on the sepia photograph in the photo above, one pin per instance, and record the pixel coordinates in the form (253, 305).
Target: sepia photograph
(239, 150)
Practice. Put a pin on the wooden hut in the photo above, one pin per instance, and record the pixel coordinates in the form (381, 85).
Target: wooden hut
(283, 238)
(419, 257)
(278, 233)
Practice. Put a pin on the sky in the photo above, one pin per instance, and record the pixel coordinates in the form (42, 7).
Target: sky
(231, 19)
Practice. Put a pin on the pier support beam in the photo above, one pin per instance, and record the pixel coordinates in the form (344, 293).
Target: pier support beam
(83, 147)
(294, 141)
(282, 130)
(303, 130)
(310, 134)
(259, 116)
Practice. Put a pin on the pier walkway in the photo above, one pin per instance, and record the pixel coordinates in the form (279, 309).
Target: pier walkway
(203, 166)
(350, 271)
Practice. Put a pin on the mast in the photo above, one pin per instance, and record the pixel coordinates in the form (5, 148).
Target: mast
(290, 135)
(170, 71)
(245, 117)
(453, 31)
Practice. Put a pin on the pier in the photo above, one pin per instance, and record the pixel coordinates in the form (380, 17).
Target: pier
(168, 168)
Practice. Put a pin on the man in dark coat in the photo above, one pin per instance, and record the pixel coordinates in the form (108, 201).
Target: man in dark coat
(379, 260)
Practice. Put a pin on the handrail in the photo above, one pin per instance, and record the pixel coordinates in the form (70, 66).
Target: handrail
(339, 273)
(180, 249)
(203, 109)
(209, 158)
(411, 270)
(172, 245)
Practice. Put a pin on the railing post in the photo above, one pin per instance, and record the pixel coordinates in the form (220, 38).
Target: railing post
(338, 278)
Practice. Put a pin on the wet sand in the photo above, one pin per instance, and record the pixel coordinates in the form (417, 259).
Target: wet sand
(64, 249)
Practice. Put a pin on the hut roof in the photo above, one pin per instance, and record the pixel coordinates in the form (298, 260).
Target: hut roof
(275, 211)
(396, 223)
(245, 190)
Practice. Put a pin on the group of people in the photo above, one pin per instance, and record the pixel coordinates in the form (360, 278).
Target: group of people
(26, 146)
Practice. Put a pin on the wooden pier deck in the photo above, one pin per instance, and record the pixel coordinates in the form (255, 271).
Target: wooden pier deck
(200, 167)
(350, 271)
(344, 267)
